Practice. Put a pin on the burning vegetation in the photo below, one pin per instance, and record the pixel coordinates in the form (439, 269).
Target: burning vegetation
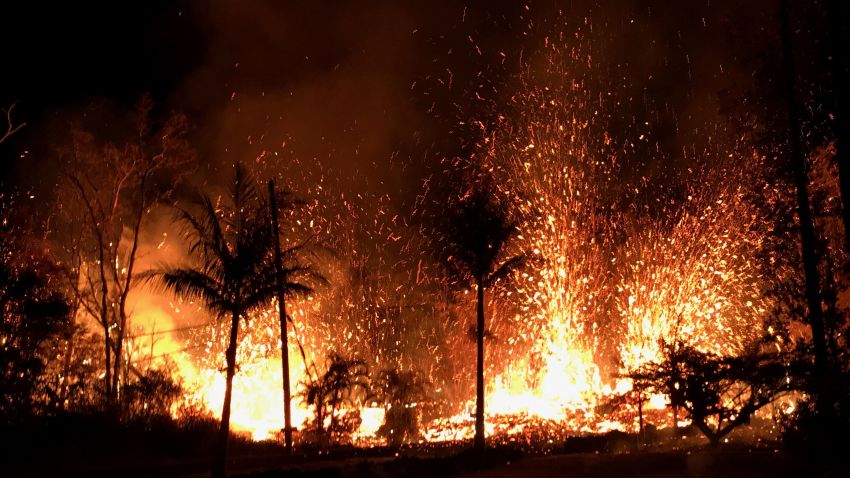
(545, 284)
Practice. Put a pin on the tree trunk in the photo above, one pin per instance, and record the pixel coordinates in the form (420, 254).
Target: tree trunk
(675, 417)
(841, 126)
(479, 375)
(332, 426)
(104, 291)
(104, 318)
(219, 468)
(320, 420)
(640, 417)
(124, 289)
(107, 380)
(66, 371)
(284, 339)
(713, 438)
(116, 366)
(119, 351)
(807, 231)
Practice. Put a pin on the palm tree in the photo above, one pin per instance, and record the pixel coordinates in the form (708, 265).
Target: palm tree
(232, 272)
(474, 234)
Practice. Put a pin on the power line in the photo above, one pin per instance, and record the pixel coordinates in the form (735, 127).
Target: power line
(166, 331)
(173, 352)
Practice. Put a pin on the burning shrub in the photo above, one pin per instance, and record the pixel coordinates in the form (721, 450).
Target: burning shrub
(151, 396)
(335, 397)
(32, 313)
(401, 393)
(718, 393)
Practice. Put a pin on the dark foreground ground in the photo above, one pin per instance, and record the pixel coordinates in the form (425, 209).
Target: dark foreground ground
(494, 463)
(659, 465)
(91, 446)
(720, 464)
(74, 450)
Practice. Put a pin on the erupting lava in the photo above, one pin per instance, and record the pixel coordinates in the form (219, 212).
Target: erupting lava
(615, 270)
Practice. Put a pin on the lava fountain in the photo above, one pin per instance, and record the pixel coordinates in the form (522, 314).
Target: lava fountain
(621, 262)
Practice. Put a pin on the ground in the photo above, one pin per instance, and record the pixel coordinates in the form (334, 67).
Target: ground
(698, 464)
(648, 465)
(493, 463)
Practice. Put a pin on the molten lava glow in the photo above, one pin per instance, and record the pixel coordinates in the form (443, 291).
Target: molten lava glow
(372, 419)
(616, 266)
(696, 281)
(257, 398)
(257, 403)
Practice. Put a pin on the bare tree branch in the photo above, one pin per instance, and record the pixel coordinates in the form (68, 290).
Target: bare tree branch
(11, 128)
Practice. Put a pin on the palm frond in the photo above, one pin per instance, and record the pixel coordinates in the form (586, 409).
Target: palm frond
(191, 284)
(506, 268)
(474, 232)
(243, 190)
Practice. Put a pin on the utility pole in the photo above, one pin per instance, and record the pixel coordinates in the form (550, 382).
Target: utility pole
(281, 303)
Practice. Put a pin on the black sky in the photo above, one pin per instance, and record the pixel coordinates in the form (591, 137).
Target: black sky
(357, 85)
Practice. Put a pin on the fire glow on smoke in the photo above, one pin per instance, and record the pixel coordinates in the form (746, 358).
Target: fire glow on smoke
(618, 266)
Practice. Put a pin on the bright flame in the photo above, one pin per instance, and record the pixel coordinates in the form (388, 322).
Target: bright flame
(615, 269)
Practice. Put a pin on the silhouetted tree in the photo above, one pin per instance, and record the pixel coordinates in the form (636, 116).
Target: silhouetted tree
(474, 234)
(11, 126)
(839, 15)
(345, 383)
(152, 395)
(718, 393)
(72, 376)
(402, 394)
(636, 397)
(232, 272)
(807, 231)
(33, 310)
(107, 192)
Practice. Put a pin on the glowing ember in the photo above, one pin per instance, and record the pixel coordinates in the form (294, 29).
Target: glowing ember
(615, 270)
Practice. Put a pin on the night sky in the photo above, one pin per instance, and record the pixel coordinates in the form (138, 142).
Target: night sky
(360, 85)
(620, 185)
